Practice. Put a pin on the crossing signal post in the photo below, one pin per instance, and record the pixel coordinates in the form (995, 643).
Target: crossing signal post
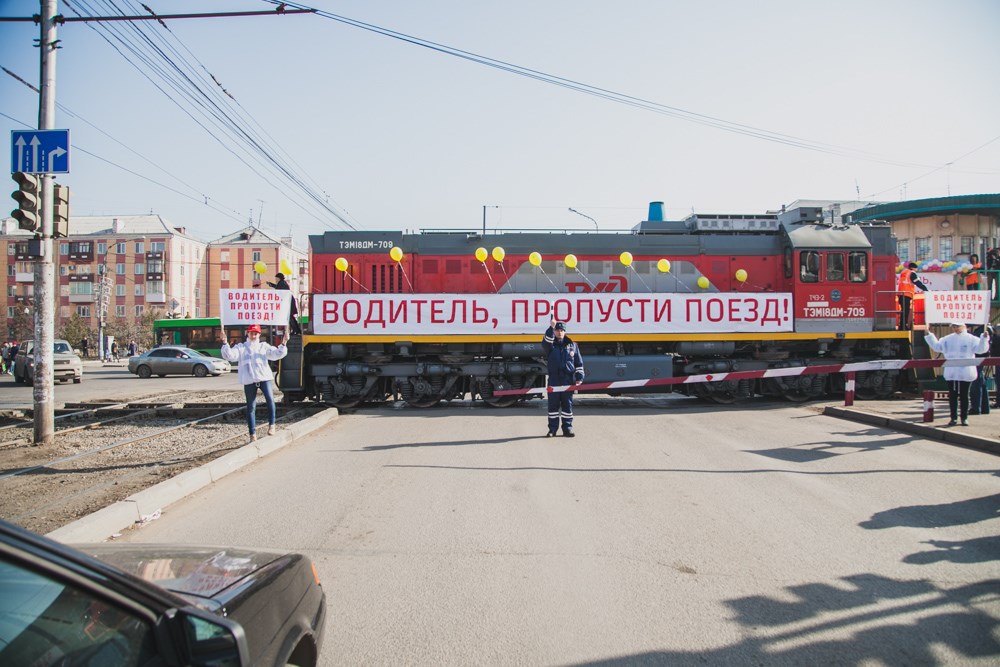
(28, 198)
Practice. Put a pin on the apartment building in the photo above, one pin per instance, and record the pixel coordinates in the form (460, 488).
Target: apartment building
(232, 262)
(118, 267)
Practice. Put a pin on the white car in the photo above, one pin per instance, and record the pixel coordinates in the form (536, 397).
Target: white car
(66, 365)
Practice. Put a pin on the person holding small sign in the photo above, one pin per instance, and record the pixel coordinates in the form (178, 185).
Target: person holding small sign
(959, 344)
(255, 372)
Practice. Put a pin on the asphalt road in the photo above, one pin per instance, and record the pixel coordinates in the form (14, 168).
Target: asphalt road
(667, 532)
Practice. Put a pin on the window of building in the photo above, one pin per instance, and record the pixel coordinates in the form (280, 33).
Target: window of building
(63, 248)
(155, 287)
(11, 290)
(11, 249)
(967, 243)
(224, 256)
(903, 250)
(138, 311)
(102, 248)
(83, 269)
(119, 290)
(120, 269)
(11, 269)
(923, 248)
(946, 250)
(119, 311)
(81, 288)
(140, 269)
(100, 269)
(256, 255)
(197, 293)
(11, 312)
(155, 266)
(83, 311)
(138, 247)
(63, 270)
(224, 274)
(157, 246)
(182, 269)
(138, 289)
(120, 248)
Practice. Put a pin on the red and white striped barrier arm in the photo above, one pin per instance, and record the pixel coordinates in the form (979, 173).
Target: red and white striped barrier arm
(881, 365)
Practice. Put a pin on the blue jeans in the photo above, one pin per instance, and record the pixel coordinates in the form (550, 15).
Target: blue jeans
(979, 395)
(251, 393)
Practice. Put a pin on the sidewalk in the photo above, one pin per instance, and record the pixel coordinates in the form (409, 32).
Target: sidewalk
(906, 414)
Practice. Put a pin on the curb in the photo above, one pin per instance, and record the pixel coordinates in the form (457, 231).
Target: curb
(105, 523)
(987, 445)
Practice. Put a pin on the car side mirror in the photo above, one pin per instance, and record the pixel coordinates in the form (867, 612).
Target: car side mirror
(211, 640)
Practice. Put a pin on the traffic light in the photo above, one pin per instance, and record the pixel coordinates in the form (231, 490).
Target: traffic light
(28, 211)
(60, 210)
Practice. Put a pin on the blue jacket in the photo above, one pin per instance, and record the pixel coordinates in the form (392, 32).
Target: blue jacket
(565, 362)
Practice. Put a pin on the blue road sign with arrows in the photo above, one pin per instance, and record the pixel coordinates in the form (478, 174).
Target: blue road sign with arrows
(39, 151)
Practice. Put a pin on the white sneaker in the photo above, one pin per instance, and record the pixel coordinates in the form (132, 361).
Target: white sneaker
(270, 429)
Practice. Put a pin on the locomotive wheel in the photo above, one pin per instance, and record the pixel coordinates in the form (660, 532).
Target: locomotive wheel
(423, 401)
(875, 385)
(797, 391)
(345, 401)
(486, 389)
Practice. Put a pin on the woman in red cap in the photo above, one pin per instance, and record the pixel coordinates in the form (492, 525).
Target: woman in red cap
(255, 373)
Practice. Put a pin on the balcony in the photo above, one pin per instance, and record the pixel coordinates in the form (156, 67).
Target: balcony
(81, 298)
(24, 277)
(156, 298)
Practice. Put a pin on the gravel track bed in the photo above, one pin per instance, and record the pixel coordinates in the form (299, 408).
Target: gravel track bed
(52, 496)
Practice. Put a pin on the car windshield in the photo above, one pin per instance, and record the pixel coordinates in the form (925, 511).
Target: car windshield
(62, 348)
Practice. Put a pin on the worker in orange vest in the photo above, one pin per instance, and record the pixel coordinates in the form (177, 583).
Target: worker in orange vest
(972, 274)
(907, 286)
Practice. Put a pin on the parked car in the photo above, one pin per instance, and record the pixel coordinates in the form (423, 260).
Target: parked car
(176, 360)
(131, 604)
(66, 365)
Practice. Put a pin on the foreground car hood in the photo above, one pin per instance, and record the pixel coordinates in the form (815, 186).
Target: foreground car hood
(203, 572)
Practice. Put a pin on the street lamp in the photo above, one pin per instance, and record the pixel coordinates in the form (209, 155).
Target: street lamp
(573, 210)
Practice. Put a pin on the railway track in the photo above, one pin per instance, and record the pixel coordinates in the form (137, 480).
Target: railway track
(106, 451)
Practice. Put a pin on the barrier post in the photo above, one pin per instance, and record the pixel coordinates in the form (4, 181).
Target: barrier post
(849, 390)
(928, 406)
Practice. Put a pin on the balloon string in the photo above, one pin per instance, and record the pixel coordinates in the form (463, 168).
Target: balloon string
(506, 277)
(584, 277)
(409, 284)
(632, 269)
(357, 283)
(490, 276)
(549, 279)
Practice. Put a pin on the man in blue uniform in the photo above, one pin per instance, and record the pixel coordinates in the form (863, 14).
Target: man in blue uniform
(565, 368)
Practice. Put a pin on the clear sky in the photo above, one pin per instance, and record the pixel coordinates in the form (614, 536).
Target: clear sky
(892, 99)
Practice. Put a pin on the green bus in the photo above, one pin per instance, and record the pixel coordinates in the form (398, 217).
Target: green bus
(202, 333)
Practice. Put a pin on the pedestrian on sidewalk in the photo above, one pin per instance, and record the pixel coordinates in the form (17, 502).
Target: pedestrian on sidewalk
(959, 344)
(255, 372)
(979, 394)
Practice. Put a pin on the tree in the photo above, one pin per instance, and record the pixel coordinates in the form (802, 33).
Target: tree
(22, 325)
(75, 329)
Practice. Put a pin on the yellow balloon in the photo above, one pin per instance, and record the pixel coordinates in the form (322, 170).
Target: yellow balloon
(625, 258)
(498, 254)
(535, 259)
(285, 268)
(703, 282)
(481, 254)
(570, 261)
(341, 264)
(396, 253)
(663, 265)
(260, 267)
(741, 275)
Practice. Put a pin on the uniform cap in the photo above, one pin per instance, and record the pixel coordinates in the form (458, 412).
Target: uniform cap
(279, 276)
(253, 327)
(560, 326)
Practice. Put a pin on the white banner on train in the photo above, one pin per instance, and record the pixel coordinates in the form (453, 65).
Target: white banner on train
(969, 307)
(512, 314)
(255, 306)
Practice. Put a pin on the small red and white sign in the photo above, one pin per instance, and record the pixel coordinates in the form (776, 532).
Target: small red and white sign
(255, 306)
(969, 307)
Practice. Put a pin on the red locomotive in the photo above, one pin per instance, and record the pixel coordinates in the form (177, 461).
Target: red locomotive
(438, 316)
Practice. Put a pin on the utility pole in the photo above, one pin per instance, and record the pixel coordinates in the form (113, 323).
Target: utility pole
(45, 298)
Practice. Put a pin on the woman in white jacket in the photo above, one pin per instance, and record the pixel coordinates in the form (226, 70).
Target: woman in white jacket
(959, 344)
(254, 371)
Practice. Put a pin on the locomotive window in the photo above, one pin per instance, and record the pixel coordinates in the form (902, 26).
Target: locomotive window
(452, 266)
(835, 266)
(809, 266)
(857, 263)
